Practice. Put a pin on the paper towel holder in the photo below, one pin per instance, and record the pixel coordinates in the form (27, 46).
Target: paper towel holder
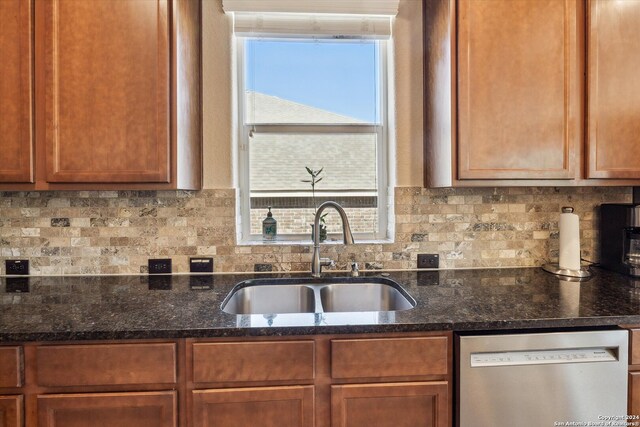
(555, 269)
(559, 271)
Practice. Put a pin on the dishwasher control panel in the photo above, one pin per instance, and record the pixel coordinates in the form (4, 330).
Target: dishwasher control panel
(543, 357)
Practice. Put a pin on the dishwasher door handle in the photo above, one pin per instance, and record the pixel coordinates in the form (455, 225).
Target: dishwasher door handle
(544, 357)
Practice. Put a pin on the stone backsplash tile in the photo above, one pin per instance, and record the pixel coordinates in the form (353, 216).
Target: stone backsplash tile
(116, 232)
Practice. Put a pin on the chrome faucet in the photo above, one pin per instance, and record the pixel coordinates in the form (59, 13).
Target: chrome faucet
(316, 262)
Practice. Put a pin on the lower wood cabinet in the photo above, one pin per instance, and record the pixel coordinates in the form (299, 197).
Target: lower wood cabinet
(418, 404)
(11, 411)
(395, 380)
(150, 409)
(257, 406)
(366, 380)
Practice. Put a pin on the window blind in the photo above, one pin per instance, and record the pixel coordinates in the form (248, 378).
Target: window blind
(348, 19)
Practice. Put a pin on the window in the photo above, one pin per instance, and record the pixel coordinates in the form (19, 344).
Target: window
(312, 96)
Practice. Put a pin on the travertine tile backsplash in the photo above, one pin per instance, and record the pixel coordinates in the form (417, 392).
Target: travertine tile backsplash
(114, 232)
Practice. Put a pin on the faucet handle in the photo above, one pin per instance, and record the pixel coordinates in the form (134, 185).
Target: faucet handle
(327, 262)
(355, 272)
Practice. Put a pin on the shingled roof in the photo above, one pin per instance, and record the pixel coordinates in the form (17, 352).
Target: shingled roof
(262, 108)
(278, 160)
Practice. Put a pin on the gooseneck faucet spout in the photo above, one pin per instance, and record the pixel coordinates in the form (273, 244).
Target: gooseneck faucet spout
(347, 237)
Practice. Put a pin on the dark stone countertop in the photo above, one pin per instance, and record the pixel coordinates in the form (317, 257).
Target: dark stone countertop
(139, 307)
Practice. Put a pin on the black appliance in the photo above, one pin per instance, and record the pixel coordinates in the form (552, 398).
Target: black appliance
(620, 238)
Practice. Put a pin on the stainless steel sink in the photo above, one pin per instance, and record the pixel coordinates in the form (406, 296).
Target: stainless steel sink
(364, 297)
(267, 299)
(275, 296)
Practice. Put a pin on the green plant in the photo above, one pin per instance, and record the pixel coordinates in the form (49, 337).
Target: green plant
(315, 178)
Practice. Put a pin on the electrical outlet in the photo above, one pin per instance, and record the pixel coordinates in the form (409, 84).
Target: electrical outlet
(17, 266)
(201, 265)
(160, 266)
(428, 260)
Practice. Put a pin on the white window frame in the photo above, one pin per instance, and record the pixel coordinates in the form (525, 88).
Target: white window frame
(383, 233)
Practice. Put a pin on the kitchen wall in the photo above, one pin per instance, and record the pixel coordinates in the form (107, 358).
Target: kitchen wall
(113, 232)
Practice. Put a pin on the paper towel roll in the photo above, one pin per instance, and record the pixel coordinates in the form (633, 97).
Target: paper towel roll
(569, 240)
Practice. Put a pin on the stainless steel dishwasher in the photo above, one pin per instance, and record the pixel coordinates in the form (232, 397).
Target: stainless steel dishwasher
(541, 379)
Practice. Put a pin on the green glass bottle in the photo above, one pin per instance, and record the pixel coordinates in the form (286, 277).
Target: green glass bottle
(269, 227)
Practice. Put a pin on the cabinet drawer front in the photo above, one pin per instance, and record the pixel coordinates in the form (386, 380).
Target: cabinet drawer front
(253, 362)
(389, 357)
(152, 409)
(10, 366)
(106, 364)
(634, 347)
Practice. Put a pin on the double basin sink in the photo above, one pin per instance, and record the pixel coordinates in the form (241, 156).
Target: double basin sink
(358, 294)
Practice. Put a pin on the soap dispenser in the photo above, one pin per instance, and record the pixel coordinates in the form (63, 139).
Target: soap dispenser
(269, 227)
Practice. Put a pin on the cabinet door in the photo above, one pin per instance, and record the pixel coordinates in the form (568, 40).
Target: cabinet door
(16, 53)
(614, 89)
(11, 411)
(258, 406)
(519, 111)
(106, 90)
(151, 409)
(390, 405)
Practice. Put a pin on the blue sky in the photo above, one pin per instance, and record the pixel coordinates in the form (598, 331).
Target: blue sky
(336, 76)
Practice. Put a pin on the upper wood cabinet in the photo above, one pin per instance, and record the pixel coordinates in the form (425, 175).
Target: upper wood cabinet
(506, 95)
(106, 91)
(614, 89)
(504, 107)
(16, 63)
(518, 89)
(117, 94)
